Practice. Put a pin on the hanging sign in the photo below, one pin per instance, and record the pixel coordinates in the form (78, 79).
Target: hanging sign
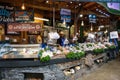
(113, 35)
(67, 18)
(6, 14)
(92, 18)
(65, 12)
(24, 27)
(65, 15)
(24, 16)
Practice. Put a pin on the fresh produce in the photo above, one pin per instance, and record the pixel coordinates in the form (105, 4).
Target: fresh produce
(77, 55)
(98, 51)
(112, 47)
(45, 59)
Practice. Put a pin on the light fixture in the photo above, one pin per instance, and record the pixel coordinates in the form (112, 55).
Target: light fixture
(81, 15)
(43, 19)
(99, 29)
(23, 6)
(82, 23)
(71, 2)
(79, 4)
(91, 27)
(47, 1)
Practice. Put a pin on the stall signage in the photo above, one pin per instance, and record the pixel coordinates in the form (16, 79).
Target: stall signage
(65, 15)
(67, 18)
(6, 14)
(113, 35)
(92, 18)
(24, 16)
(24, 27)
(65, 12)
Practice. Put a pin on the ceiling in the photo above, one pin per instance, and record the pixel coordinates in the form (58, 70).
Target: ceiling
(76, 8)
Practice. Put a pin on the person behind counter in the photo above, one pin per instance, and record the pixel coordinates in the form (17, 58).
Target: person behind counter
(61, 40)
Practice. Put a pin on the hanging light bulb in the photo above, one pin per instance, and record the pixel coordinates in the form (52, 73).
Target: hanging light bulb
(99, 29)
(91, 27)
(23, 6)
(81, 15)
(82, 23)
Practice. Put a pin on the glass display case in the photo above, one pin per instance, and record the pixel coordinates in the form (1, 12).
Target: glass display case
(18, 51)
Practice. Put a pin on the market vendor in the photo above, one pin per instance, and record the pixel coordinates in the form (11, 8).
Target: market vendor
(61, 40)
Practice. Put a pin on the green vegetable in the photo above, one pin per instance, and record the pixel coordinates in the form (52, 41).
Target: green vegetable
(98, 51)
(45, 59)
(73, 55)
(89, 45)
(112, 47)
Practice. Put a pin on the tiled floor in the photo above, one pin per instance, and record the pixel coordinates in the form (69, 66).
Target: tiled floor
(108, 71)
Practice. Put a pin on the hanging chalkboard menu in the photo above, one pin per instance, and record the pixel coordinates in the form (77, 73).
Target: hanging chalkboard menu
(6, 14)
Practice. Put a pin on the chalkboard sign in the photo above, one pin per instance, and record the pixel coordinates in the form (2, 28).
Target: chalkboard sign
(6, 14)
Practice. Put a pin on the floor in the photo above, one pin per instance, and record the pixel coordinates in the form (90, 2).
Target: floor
(108, 71)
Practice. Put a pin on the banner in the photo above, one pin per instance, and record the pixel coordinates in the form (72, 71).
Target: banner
(65, 15)
(92, 18)
(24, 27)
(24, 16)
(6, 14)
(67, 18)
(65, 12)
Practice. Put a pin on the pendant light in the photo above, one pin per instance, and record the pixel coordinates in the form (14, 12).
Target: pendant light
(91, 27)
(82, 23)
(23, 6)
(99, 29)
